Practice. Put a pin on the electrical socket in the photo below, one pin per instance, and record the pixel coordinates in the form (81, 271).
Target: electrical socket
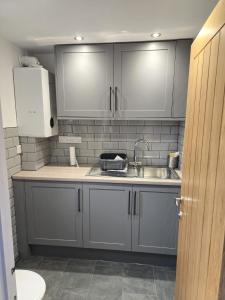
(18, 149)
(69, 139)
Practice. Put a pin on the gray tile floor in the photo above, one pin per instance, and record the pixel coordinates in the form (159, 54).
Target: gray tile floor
(79, 279)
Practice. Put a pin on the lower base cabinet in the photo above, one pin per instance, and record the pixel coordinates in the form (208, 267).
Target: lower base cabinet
(102, 216)
(155, 222)
(107, 221)
(54, 215)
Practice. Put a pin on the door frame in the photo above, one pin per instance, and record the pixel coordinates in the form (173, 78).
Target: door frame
(7, 260)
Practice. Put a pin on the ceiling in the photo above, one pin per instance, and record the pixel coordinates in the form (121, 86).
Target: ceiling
(40, 24)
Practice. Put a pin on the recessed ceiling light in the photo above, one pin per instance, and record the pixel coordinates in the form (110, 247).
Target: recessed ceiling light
(156, 34)
(78, 38)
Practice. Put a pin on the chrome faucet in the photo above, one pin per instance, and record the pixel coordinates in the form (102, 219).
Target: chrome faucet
(147, 143)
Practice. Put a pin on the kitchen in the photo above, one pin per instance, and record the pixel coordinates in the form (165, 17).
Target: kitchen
(99, 201)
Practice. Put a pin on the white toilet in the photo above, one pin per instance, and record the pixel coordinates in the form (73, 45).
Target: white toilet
(29, 285)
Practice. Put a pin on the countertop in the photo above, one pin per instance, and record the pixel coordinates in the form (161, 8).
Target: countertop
(74, 174)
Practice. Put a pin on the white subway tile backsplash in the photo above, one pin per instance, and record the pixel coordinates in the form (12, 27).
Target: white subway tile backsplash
(144, 129)
(160, 146)
(110, 145)
(14, 166)
(111, 129)
(106, 136)
(94, 145)
(79, 129)
(128, 129)
(28, 147)
(161, 129)
(115, 135)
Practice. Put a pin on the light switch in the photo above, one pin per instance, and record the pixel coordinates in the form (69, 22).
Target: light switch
(18, 149)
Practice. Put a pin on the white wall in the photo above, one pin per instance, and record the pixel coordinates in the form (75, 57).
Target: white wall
(9, 57)
(47, 60)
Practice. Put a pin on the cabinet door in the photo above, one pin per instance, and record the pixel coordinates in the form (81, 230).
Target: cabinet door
(155, 221)
(181, 78)
(54, 214)
(84, 81)
(107, 219)
(144, 79)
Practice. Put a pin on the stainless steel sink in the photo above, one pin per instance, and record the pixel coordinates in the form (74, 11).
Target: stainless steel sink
(159, 172)
(138, 172)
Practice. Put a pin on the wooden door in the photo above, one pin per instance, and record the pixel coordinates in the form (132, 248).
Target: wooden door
(143, 79)
(54, 213)
(201, 259)
(107, 217)
(84, 75)
(155, 220)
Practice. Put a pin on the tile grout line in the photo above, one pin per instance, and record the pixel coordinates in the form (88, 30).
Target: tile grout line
(92, 275)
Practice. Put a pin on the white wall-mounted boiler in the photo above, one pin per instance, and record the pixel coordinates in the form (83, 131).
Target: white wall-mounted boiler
(35, 102)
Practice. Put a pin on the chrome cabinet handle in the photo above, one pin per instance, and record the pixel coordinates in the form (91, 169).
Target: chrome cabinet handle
(129, 203)
(135, 203)
(110, 98)
(79, 202)
(116, 98)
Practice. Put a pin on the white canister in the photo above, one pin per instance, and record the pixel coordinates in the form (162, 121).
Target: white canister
(72, 156)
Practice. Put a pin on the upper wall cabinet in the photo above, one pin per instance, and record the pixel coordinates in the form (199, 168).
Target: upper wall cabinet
(123, 81)
(144, 80)
(180, 85)
(84, 81)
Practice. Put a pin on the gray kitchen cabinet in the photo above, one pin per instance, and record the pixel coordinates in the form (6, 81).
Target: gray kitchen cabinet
(54, 213)
(122, 81)
(84, 77)
(181, 78)
(107, 216)
(155, 221)
(143, 80)
(136, 218)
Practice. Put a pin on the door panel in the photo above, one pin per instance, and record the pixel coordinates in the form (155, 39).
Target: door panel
(53, 215)
(84, 81)
(107, 222)
(144, 79)
(206, 175)
(151, 233)
(182, 223)
(200, 264)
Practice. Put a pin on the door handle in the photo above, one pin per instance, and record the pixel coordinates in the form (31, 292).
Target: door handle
(178, 201)
(180, 214)
(116, 98)
(178, 204)
(129, 203)
(79, 200)
(110, 98)
(135, 203)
